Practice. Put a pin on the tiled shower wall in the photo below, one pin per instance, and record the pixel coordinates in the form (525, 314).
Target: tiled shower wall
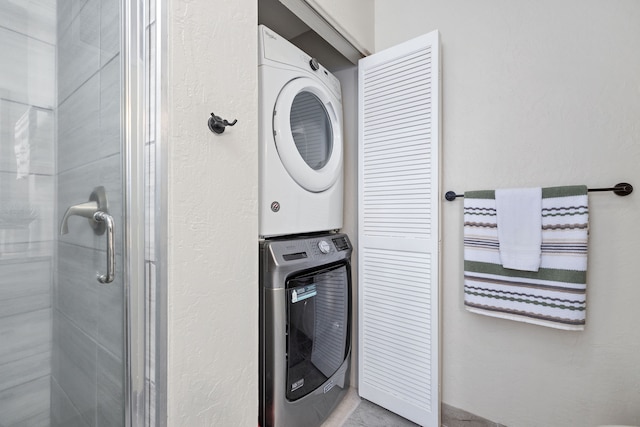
(27, 48)
(61, 343)
(87, 358)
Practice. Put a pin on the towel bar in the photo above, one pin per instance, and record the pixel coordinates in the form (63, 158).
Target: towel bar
(621, 189)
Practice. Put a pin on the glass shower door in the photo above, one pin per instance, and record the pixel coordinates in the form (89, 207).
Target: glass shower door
(62, 353)
(27, 188)
(87, 317)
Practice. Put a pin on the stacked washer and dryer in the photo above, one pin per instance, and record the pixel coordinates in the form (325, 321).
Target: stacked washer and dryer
(305, 272)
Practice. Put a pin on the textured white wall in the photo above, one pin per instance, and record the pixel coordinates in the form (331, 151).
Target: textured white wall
(539, 94)
(212, 245)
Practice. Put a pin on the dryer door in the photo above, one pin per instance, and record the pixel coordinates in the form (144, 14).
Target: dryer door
(308, 134)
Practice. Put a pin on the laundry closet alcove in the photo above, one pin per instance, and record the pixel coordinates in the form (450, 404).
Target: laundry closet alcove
(391, 208)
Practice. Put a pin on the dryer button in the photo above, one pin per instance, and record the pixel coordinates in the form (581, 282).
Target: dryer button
(313, 63)
(324, 247)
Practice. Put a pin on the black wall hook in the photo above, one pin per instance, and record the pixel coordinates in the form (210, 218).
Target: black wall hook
(217, 123)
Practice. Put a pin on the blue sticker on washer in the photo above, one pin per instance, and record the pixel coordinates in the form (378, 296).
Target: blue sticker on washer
(303, 292)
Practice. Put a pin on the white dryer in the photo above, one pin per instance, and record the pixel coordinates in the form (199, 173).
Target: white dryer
(301, 153)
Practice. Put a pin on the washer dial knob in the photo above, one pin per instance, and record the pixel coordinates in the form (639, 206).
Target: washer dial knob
(324, 247)
(313, 63)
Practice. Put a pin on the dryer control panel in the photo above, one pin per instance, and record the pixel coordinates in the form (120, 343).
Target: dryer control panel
(274, 47)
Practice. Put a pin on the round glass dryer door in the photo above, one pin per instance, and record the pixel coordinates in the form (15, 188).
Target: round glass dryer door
(308, 134)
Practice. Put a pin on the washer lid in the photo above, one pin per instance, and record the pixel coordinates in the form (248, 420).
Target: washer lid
(308, 134)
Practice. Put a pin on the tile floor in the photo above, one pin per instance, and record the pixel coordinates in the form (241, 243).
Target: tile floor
(369, 415)
(356, 412)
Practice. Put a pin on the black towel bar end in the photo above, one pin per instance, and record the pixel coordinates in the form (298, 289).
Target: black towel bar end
(621, 189)
(451, 196)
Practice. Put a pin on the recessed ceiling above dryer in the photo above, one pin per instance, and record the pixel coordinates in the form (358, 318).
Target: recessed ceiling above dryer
(324, 42)
(275, 15)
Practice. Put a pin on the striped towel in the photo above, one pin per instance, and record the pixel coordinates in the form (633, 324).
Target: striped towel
(555, 295)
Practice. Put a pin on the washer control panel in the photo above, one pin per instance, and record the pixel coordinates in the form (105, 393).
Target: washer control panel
(305, 249)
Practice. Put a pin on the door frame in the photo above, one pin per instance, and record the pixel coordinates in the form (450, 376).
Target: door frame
(132, 137)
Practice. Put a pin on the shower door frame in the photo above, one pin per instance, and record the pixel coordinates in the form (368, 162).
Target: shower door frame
(160, 330)
(132, 121)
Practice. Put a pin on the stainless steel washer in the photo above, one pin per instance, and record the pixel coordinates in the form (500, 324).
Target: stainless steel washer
(305, 328)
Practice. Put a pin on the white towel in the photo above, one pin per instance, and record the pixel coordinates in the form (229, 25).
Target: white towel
(519, 217)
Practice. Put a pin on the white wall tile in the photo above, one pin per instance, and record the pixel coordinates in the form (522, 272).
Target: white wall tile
(23, 279)
(25, 335)
(67, 11)
(34, 18)
(26, 210)
(74, 366)
(110, 389)
(25, 370)
(33, 125)
(63, 413)
(30, 78)
(109, 29)
(79, 50)
(79, 126)
(76, 292)
(23, 402)
(96, 309)
(110, 107)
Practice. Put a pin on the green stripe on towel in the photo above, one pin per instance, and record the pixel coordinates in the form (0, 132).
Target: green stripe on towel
(482, 194)
(547, 193)
(564, 276)
(567, 191)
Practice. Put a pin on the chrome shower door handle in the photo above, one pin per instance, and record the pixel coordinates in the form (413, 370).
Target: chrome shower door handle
(111, 253)
(95, 210)
(97, 202)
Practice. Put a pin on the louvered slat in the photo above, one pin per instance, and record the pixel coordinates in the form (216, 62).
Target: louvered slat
(406, 335)
(398, 229)
(414, 86)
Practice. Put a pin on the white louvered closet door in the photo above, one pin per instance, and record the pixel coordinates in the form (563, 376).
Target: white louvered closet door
(398, 229)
